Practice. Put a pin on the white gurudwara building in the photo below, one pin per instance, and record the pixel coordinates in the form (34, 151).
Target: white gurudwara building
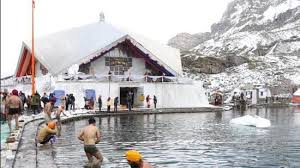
(109, 61)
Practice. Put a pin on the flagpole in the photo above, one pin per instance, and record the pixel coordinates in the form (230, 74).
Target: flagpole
(32, 53)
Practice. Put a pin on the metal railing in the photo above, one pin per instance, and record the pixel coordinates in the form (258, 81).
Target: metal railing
(101, 78)
(16, 80)
(125, 78)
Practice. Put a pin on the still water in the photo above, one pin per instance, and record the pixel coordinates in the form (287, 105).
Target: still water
(189, 140)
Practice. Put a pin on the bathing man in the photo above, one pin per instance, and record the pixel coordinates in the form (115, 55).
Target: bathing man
(91, 136)
(57, 114)
(134, 159)
(47, 133)
(48, 110)
(14, 105)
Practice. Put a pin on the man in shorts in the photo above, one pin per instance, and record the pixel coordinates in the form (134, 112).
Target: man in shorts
(48, 110)
(91, 136)
(13, 106)
(57, 114)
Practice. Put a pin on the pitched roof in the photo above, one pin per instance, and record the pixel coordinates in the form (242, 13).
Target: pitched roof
(60, 50)
(297, 93)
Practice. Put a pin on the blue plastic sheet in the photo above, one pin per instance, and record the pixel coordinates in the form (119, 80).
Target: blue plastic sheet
(90, 93)
(58, 94)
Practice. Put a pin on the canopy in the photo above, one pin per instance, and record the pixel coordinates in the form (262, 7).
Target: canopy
(81, 44)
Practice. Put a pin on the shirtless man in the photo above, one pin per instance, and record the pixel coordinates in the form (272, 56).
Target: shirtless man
(48, 110)
(135, 160)
(14, 105)
(58, 113)
(91, 136)
(46, 133)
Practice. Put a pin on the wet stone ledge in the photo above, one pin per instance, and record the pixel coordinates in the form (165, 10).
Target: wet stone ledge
(142, 112)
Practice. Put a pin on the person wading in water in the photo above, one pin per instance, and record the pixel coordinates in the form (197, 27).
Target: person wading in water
(59, 110)
(47, 133)
(14, 105)
(90, 135)
(48, 110)
(135, 160)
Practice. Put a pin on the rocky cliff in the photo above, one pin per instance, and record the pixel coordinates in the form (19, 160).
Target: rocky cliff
(264, 35)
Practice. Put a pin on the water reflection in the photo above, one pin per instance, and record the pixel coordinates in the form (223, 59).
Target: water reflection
(190, 140)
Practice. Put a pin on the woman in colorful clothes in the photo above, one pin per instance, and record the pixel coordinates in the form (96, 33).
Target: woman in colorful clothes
(91, 103)
(109, 103)
(148, 101)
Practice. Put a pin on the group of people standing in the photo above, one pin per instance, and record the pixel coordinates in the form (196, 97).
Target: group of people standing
(148, 101)
(70, 101)
(129, 99)
(13, 104)
(109, 103)
(90, 135)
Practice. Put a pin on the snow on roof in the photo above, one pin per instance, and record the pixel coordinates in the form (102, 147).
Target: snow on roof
(60, 50)
(169, 56)
(297, 93)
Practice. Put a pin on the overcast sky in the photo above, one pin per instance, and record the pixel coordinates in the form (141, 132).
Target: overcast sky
(159, 20)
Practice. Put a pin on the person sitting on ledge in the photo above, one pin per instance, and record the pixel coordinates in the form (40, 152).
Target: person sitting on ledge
(47, 133)
(135, 160)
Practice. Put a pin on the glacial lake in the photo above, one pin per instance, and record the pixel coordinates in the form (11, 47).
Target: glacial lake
(190, 140)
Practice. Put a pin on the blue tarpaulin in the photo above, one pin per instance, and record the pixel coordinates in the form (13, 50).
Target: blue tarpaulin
(90, 93)
(58, 94)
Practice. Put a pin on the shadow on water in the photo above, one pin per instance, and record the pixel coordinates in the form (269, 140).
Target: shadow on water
(189, 140)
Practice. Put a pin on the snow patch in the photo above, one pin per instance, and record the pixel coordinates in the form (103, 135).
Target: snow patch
(272, 12)
(249, 120)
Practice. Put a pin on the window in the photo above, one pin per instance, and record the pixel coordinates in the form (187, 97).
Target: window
(118, 65)
(261, 93)
(118, 70)
(107, 61)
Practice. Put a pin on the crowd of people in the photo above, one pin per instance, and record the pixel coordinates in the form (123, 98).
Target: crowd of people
(14, 103)
(115, 102)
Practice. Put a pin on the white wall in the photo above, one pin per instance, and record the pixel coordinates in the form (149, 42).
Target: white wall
(38, 71)
(168, 94)
(266, 93)
(99, 66)
(138, 67)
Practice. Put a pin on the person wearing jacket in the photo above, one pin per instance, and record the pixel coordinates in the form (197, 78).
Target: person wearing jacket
(116, 102)
(100, 103)
(35, 103)
(109, 103)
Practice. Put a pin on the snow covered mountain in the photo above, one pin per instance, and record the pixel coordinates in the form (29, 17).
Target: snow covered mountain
(186, 41)
(263, 35)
